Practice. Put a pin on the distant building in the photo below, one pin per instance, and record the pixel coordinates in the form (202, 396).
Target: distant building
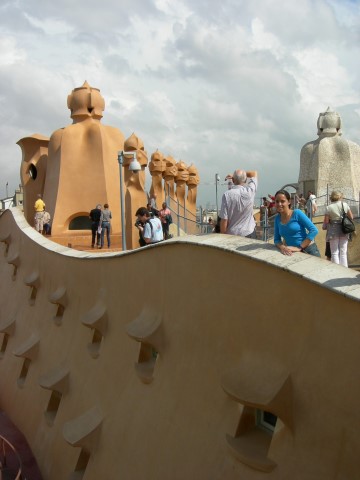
(14, 201)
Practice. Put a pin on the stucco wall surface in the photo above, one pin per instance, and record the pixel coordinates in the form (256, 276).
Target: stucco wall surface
(237, 327)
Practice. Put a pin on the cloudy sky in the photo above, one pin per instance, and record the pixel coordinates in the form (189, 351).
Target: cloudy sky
(221, 84)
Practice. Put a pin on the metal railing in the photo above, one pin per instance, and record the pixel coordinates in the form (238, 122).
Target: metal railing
(10, 461)
(190, 224)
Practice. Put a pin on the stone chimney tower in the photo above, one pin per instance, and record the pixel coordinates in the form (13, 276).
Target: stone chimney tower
(331, 160)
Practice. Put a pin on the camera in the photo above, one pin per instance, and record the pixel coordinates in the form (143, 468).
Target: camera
(138, 224)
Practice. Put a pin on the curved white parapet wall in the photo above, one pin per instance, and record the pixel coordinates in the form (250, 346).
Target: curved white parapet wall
(160, 362)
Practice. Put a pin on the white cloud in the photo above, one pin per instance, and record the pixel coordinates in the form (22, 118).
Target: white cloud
(221, 85)
(50, 26)
(322, 79)
(9, 51)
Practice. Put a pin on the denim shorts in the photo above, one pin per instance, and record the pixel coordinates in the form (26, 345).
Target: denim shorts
(312, 249)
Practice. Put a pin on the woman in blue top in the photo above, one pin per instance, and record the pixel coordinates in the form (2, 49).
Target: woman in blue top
(294, 231)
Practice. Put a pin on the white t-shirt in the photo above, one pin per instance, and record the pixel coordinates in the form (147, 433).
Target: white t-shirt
(156, 233)
(311, 203)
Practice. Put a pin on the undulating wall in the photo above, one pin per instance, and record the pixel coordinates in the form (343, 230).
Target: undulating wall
(154, 363)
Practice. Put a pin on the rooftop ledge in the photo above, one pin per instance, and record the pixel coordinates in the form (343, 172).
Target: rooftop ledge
(341, 280)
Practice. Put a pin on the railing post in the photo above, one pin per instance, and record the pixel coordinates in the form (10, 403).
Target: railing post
(178, 216)
(185, 219)
(327, 194)
(266, 224)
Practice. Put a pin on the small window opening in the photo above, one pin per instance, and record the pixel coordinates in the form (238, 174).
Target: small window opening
(32, 172)
(266, 420)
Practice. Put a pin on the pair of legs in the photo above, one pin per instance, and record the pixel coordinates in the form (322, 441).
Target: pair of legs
(105, 226)
(94, 233)
(338, 246)
(39, 222)
(165, 227)
(47, 228)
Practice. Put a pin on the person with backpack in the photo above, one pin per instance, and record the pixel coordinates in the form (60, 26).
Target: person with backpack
(150, 229)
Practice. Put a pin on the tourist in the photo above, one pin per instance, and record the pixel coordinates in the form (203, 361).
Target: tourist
(105, 225)
(264, 208)
(39, 208)
(332, 222)
(47, 225)
(229, 180)
(154, 212)
(95, 215)
(153, 201)
(293, 230)
(217, 225)
(237, 205)
(271, 205)
(311, 206)
(166, 220)
(149, 228)
(300, 201)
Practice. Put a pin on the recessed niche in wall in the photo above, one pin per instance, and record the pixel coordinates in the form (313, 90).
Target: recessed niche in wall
(81, 465)
(146, 329)
(53, 407)
(60, 299)
(3, 344)
(6, 238)
(57, 381)
(33, 281)
(264, 393)
(7, 328)
(81, 222)
(14, 260)
(28, 351)
(24, 372)
(96, 319)
(83, 432)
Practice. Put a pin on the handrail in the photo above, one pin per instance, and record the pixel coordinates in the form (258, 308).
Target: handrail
(187, 222)
(5, 442)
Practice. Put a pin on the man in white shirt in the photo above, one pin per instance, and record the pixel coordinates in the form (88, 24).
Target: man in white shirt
(237, 217)
(150, 228)
(311, 206)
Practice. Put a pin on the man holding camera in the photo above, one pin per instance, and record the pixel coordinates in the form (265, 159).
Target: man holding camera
(150, 229)
(237, 217)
